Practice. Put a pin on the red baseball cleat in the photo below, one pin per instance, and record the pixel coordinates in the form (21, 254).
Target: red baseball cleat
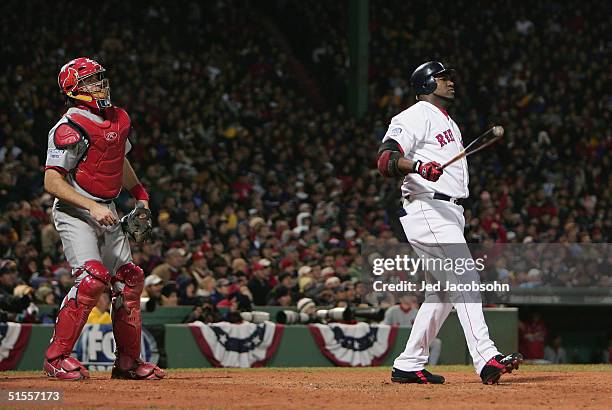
(65, 368)
(127, 368)
(499, 365)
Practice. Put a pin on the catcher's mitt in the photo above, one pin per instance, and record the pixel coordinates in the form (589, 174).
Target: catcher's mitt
(138, 223)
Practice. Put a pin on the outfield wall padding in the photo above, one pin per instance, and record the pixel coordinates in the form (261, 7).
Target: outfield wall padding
(297, 347)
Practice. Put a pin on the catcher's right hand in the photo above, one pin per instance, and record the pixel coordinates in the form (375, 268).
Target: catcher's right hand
(138, 223)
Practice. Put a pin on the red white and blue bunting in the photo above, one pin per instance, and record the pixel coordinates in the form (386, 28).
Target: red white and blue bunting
(356, 345)
(14, 339)
(237, 344)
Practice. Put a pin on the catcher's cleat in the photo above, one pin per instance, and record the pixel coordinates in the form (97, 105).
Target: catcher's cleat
(136, 370)
(65, 368)
(420, 377)
(499, 365)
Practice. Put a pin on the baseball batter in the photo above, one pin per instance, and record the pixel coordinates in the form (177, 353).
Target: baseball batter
(86, 169)
(418, 140)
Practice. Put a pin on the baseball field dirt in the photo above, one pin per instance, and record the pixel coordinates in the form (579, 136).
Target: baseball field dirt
(541, 387)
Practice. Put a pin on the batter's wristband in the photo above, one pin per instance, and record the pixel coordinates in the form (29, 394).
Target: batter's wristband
(139, 192)
(416, 166)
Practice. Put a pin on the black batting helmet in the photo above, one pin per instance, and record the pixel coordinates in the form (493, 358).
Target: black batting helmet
(423, 79)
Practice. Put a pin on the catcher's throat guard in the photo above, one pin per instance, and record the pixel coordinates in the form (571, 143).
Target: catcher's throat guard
(138, 223)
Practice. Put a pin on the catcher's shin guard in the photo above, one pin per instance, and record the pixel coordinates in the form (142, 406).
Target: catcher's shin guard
(127, 326)
(71, 319)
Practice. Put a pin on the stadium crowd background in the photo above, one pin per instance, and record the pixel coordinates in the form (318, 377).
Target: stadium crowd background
(262, 186)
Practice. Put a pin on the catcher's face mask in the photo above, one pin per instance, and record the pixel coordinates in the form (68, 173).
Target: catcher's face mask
(96, 86)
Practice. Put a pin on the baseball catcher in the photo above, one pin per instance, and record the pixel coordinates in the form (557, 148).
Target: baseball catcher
(86, 169)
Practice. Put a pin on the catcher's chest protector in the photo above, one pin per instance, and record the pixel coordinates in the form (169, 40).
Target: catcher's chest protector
(101, 168)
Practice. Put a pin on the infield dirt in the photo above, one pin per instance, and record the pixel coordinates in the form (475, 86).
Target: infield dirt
(328, 388)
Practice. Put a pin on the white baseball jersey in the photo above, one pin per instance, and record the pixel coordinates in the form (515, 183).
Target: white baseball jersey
(427, 133)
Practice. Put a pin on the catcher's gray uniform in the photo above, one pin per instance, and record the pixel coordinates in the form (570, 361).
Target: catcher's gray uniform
(82, 237)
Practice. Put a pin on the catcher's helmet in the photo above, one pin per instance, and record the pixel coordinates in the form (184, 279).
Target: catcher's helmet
(423, 79)
(70, 81)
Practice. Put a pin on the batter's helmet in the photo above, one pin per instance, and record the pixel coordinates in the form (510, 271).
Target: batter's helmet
(423, 78)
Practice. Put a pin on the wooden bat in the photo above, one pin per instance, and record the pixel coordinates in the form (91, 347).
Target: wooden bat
(497, 131)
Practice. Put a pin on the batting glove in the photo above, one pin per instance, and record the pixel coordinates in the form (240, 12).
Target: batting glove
(430, 171)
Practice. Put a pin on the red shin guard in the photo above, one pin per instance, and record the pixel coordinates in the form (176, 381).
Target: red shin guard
(127, 326)
(71, 319)
(127, 285)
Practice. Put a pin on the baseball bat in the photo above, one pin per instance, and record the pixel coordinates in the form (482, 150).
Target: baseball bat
(498, 131)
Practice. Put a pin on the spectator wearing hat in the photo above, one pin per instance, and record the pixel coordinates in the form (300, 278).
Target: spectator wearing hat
(324, 292)
(199, 265)
(207, 248)
(222, 290)
(151, 293)
(307, 306)
(235, 302)
(198, 269)
(173, 265)
(332, 282)
(287, 264)
(305, 279)
(259, 285)
(327, 272)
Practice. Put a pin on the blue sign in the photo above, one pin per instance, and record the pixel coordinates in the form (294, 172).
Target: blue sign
(95, 349)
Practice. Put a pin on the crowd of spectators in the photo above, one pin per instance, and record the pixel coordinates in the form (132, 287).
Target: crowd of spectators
(259, 198)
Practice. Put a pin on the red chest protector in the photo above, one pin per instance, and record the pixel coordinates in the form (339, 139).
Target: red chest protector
(100, 171)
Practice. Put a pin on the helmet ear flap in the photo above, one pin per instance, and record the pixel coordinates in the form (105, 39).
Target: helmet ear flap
(429, 85)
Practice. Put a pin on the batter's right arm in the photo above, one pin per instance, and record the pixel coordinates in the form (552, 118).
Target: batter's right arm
(56, 185)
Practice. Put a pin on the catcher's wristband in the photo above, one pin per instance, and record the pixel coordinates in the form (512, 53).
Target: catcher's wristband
(139, 192)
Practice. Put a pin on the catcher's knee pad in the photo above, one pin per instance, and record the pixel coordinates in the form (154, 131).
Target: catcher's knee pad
(76, 307)
(127, 287)
(128, 283)
(93, 284)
